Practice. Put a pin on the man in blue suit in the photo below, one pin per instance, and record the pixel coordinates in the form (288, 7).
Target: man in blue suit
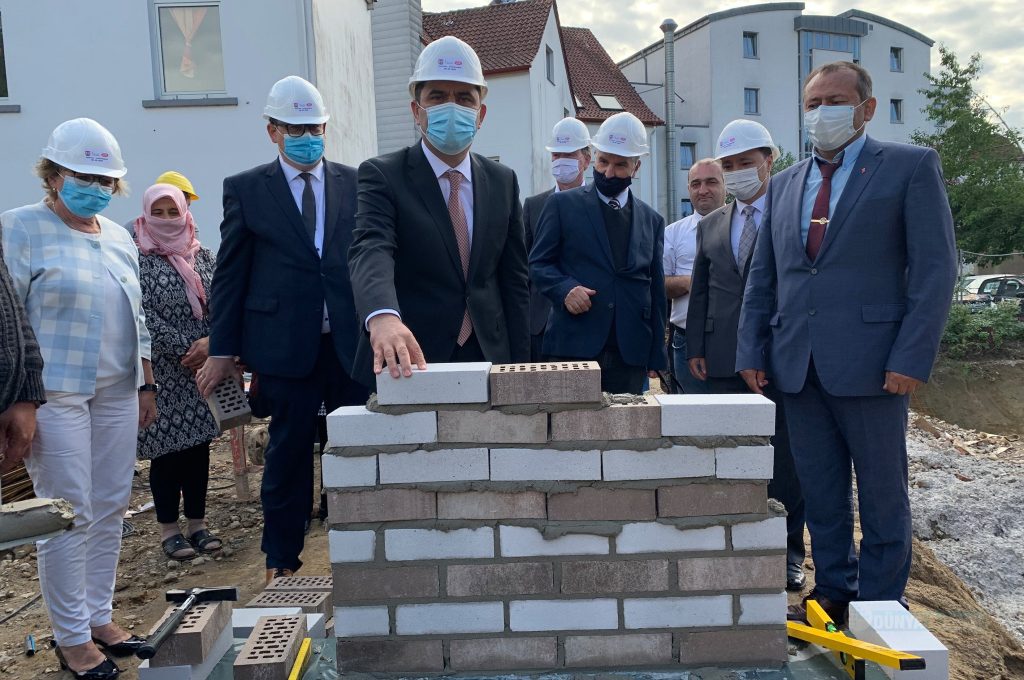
(597, 255)
(846, 299)
(281, 301)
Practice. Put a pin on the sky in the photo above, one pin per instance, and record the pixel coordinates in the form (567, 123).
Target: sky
(992, 27)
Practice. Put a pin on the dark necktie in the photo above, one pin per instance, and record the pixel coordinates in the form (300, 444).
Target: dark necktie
(819, 213)
(308, 206)
(613, 203)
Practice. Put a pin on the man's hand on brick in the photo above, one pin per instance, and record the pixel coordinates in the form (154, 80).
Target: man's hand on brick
(394, 345)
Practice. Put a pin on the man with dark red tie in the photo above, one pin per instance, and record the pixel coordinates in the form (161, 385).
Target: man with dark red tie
(846, 298)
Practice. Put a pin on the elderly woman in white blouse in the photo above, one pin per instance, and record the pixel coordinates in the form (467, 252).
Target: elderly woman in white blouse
(77, 274)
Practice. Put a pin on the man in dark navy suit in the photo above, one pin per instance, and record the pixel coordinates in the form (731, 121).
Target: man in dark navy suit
(846, 299)
(597, 256)
(281, 301)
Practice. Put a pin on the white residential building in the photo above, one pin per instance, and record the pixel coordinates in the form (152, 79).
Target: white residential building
(750, 62)
(180, 83)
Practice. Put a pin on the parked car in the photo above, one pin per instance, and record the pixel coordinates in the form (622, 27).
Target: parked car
(981, 292)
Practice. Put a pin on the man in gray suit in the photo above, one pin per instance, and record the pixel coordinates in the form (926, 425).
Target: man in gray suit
(725, 242)
(846, 299)
(570, 157)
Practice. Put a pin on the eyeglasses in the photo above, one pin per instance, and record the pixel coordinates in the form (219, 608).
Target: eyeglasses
(88, 180)
(315, 129)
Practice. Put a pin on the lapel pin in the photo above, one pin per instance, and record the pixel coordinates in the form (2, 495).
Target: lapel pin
(863, 170)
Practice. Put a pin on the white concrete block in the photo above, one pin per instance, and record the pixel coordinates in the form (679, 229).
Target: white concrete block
(889, 624)
(449, 617)
(705, 415)
(445, 465)
(434, 544)
(358, 426)
(527, 541)
(763, 609)
(348, 471)
(644, 537)
(528, 615)
(544, 464)
(197, 672)
(359, 621)
(768, 534)
(440, 384)
(677, 612)
(745, 462)
(351, 546)
(244, 620)
(676, 462)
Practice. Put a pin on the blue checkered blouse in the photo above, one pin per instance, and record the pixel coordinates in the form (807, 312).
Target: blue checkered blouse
(59, 275)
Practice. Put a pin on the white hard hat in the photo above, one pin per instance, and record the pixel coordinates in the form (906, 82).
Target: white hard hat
(295, 100)
(623, 135)
(448, 58)
(568, 135)
(83, 145)
(743, 135)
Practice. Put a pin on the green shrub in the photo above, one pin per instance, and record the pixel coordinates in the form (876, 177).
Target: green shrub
(971, 334)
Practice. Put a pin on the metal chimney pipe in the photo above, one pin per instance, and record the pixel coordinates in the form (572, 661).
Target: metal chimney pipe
(668, 27)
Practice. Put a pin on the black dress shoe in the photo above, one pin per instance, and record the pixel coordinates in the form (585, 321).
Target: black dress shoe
(835, 610)
(124, 647)
(107, 670)
(795, 579)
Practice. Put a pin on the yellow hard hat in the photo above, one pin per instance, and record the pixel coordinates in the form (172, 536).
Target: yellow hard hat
(178, 180)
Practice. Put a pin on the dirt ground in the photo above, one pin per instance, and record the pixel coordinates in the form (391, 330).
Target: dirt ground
(980, 647)
(980, 395)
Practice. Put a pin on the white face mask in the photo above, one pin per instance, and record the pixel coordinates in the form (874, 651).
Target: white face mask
(565, 170)
(829, 127)
(743, 184)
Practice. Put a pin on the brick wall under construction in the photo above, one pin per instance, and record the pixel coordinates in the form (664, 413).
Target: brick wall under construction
(512, 518)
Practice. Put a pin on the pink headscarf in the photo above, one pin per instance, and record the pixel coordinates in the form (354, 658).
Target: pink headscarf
(174, 238)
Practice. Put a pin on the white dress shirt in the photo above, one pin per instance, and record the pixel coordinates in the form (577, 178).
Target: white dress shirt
(738, 218)
(622, 198)
(297, 186)
(465, 198)
(678, 256)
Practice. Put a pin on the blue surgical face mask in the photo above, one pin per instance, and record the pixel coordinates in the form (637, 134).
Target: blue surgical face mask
(305, 150)
(84, 199)
(450, 127)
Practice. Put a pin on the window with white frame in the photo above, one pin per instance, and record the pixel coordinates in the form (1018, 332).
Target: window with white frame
(896, 59)
(687, 154)
(895, 110)
(749, 45)
(549, 60)
(3, 63)
(608, 102)
(751, 101)
(685, 207)
(189, 51)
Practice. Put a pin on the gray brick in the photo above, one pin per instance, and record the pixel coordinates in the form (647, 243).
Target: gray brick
(515, 578)
(696, 500)
(354, 584)
(396, 656)
(602, 651)
(589, 504)
(616, 422)
(491, 427)
(749, 647)
(503, 654)
(607, 577)
(551, 383)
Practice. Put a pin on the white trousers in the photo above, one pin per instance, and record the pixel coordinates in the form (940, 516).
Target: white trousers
(84, 451)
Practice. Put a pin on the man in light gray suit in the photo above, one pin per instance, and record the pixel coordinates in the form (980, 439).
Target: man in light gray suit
(725, 243)
(846, 299)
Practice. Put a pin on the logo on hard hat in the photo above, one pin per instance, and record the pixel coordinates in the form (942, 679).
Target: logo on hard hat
(726, 143)
(449, 64)
(96, 157)
(616, 139)
(562, 139)
(302, 108)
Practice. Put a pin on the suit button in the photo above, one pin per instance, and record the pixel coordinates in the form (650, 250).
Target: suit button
(812, 312)
(814, 270)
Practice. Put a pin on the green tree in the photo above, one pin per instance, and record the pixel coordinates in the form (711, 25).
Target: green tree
(982, 160)
(786, 159)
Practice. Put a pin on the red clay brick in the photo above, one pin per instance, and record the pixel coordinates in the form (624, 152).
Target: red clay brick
(516, 578)
(491, 505)
(601, 651)
(615, 576)
(503, 653)
(385, 505)
(634, 421)
(390, 655)
(733, 573)
(352, 584)
(588, 503)
(694, 500)
(755, 647)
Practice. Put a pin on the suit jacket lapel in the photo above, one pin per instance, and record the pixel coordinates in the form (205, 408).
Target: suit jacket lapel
(593, 203)
(791, 196)
(481, 227)
(724, 236)
(334, 196)
(277, 185)
(860, 175)
(423, 180)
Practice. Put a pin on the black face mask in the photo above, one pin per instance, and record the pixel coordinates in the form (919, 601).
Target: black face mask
(611, 187)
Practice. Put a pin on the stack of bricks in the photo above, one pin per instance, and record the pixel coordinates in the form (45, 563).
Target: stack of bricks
(512, 518)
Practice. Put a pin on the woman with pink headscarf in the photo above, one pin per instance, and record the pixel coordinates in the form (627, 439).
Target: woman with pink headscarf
(175, 272)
